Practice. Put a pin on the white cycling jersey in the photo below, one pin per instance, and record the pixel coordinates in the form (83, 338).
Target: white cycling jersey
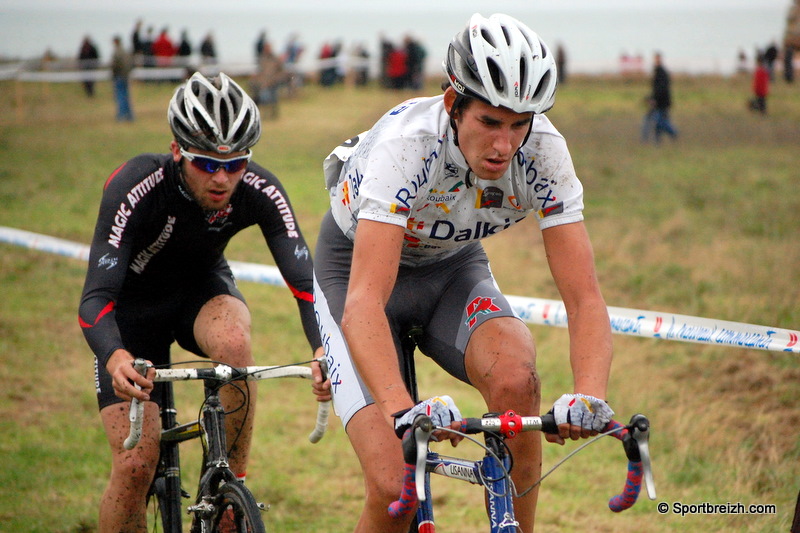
(407, 171)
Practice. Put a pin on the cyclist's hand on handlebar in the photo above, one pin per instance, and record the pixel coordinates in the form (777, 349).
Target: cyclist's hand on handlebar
(441, 409)
(124, 376)
(319, 385)
(579, 416)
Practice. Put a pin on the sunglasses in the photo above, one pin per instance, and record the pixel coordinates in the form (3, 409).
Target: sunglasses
(211, 165)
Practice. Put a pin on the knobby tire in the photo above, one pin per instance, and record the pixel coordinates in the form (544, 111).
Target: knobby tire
(246, 513)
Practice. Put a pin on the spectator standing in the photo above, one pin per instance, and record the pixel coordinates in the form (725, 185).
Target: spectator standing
(121, 66)
(291, 59)
(760, 86)
(741, 62)
(268, 79)
(260, 42)
(770, 56)
(386, 48)
(185, 48)
(137, 43)
(164, 49)
(147, 48)
(327, 65)
(208, 50)
(294, 49)
(416, 54)
(397, 68)
(361, 65)
(88, 59)
(561, 63)
(662, 100)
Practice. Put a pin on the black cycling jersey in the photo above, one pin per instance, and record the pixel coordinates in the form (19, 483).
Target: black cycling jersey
(151, 237)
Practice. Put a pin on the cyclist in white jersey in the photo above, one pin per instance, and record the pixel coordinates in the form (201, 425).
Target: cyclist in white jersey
(399, 252)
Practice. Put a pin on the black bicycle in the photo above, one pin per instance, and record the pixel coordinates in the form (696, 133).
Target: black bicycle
(220, 497)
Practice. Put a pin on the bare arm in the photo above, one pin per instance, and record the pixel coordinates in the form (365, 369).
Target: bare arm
(571, 261)
(376, 259)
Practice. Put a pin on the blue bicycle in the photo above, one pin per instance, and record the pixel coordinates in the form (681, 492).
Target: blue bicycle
(492, 471)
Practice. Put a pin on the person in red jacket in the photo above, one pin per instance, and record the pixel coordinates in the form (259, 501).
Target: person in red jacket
(164, 49)
(760, 86)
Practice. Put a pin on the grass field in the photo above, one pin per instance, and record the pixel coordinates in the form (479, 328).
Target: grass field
(705, 226)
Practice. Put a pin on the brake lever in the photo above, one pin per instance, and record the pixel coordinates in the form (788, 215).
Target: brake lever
(639, 430)
(422, 433)
(136, 414)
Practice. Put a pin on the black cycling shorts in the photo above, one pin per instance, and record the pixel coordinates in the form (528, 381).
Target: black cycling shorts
(439, 304)
(150, 323)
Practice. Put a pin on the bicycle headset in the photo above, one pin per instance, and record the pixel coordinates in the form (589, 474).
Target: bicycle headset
(214, 114)
(502, 62)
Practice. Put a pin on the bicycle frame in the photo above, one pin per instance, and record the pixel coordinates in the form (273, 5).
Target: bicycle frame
(215, 471)
(215, 468)
(492, 470)
(166, 484)
(489, 472)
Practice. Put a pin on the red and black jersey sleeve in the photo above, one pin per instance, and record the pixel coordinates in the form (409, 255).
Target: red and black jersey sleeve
(278, 222)
(123, 209)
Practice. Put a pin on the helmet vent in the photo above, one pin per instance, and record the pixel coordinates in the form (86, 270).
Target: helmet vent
(507, 36)
(488, 37)
(542, 82)
(495, 73)
(224, 120)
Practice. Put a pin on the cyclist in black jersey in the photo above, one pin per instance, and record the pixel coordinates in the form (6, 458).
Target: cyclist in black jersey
(157, 274)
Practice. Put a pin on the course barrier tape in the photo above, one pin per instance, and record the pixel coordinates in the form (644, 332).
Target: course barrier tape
(635, 322)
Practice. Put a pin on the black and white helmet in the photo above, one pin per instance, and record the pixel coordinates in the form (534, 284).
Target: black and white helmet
(503, 62)
(214, 114)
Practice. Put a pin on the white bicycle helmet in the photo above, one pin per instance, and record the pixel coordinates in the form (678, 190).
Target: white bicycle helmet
(503, 62)
(214, 114)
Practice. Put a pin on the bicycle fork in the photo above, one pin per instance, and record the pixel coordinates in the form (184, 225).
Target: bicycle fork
(167, 485)
(215, 461)
(424, 519)
(491, 472)
(499, 489)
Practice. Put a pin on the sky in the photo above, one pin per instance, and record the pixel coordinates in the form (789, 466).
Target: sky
(496, 5)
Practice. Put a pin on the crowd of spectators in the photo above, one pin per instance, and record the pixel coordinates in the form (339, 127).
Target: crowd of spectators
(150, 50)
(402, 65)
(399, 66)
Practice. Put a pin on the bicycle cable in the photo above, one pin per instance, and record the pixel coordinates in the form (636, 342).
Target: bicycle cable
(570, 455)
(506, 473)
(245, 398)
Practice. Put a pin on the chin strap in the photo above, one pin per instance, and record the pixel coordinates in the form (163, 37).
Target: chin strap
(530, 129)
(456, 106)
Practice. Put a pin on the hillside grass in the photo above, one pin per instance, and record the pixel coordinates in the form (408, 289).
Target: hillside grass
(705, 226)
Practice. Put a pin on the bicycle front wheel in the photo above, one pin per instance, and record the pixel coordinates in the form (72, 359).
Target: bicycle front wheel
(235, 511)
